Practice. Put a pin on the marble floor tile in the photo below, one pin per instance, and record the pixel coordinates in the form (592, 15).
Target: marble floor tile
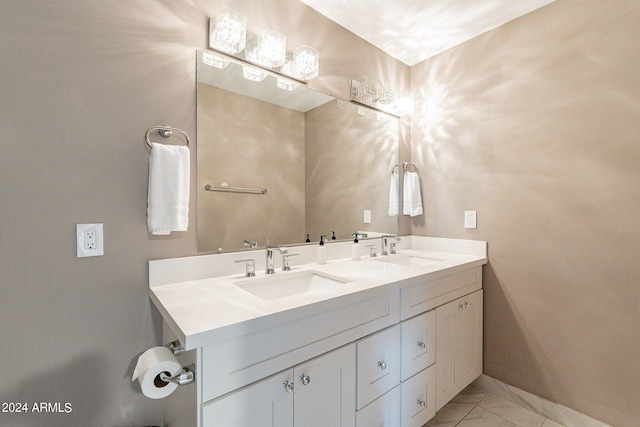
(551, 423)
(475, 407)
(508, 410)
(471, 395)
(480, 417)
(451, 414)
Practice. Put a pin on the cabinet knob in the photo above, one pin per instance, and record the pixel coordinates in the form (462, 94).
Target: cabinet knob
(382, 365)
(422, 344)
(288, 386)
(464, 305)
(422, 403)
(305, 379)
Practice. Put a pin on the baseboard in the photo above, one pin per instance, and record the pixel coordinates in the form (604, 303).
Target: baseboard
(555, 411)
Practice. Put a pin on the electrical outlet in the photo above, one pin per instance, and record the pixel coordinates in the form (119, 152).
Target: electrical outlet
(470, 219)
(89, 240)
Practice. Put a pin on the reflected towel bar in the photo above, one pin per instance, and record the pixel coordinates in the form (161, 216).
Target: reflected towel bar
(405, 166)
(227, 189)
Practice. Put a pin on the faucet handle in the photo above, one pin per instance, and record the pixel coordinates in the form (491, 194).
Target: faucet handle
(372, 251)
(286, 264)
(250, 267)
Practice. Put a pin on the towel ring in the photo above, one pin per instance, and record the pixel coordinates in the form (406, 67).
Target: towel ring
(165, 132)
(406, 166)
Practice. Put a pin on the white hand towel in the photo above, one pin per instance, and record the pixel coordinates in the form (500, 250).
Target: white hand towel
(394, 194)
(411, 195)
(168, 197)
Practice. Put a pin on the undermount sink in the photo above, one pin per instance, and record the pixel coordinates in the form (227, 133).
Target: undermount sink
(288, 284)
(411, 260)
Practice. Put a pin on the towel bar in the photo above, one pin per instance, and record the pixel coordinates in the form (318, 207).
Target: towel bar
(227, 189)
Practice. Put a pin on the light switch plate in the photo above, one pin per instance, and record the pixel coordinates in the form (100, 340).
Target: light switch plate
(470, 219)
(89, 240)
(367, 217)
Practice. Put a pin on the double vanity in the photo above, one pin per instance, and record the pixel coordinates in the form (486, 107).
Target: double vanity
(384, 341)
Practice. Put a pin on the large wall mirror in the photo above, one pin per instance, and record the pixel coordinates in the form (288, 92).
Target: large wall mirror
(322, 163)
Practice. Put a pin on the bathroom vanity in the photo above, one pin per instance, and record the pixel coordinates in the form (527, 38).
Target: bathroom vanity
(384, 341)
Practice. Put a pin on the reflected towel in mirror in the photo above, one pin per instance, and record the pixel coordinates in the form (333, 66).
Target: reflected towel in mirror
(394, 194)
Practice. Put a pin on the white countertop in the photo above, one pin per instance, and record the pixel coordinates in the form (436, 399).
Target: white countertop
(204, 310)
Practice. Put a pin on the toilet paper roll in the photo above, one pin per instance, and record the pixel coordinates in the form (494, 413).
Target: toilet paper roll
(148, 369)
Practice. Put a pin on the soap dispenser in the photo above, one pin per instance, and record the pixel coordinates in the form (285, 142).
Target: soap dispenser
(355, 248)
(321, 257)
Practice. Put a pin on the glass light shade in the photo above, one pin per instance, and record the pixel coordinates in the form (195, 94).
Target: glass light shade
(249, 72)
(367, 92)
(272, 48)
(230, 31)
(214, 60)
(386, 95)
(307, 61)
(287, 84)
(406, 104)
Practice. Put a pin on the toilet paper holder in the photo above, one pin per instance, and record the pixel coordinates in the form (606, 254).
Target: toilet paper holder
(176, 347)
(186, 375)
(183, 377)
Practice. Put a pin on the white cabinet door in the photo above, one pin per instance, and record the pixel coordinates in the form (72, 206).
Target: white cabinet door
(458, 346)
(382, 412)
(325, 390)
(267, 403)
(378, 365)
(418, 343)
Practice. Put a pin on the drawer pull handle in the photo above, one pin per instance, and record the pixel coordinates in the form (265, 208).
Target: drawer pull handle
(422, 345)
(422, 403)
(382, 365)
(288, 386)
(305, 379)
(464, 305)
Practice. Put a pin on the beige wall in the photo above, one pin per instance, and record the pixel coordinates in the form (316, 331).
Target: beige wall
(535, 125)
(81, 81)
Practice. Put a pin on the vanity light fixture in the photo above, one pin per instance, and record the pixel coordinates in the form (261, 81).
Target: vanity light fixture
(228, 32)
(272, 48)
(267, 55)
(383, 99)
(306, 60)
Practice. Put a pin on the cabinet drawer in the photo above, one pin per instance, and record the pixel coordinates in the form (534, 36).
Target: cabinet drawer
(419, 398)
(417, 299)
(418, 343)
(378, 364)
(382, 412)
(234, 363)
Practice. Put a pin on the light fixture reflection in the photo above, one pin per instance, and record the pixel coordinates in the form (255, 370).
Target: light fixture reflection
(214, 60)
(249, 72)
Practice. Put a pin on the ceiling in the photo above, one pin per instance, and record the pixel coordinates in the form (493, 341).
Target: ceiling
(414, 30)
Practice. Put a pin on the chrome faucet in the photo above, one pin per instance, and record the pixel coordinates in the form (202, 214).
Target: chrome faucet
(385, 244)
(270, 266)
(250, 244)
